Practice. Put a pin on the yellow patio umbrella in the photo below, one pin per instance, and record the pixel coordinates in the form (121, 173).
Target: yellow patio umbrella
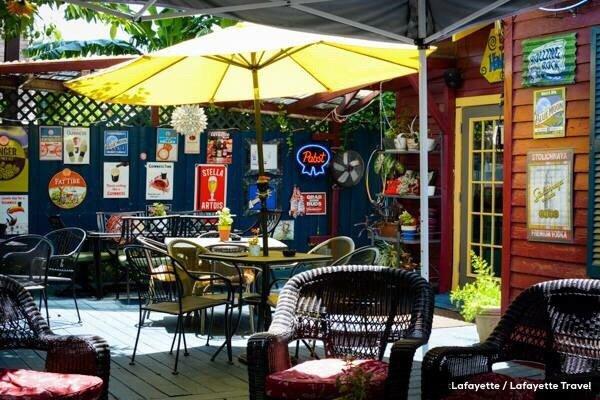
(248, 62)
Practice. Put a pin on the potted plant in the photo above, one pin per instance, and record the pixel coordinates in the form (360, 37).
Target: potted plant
(408, 225)
(393, 257)
(157, 210)
(253, 246)
(224, 224)
(480, 299)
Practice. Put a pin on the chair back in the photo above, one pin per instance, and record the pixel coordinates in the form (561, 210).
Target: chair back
(151, 243)
(153, 273)
(273, 218)
(56, 222)
(21, 324)
(336, 247)
(556, 323)
(67, 244)
(355, 310)
(111, 221)
(27, 256)
(195, 225)
(367, 255)
(157, 228)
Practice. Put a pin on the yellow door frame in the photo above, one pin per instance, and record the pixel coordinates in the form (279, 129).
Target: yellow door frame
(461, 103)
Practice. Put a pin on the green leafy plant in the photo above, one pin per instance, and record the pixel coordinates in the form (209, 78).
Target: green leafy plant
(482, 293)
(387, 167)
(354, 383)
(157, 210)
(225, 218)
(395, 257)
(406, 219)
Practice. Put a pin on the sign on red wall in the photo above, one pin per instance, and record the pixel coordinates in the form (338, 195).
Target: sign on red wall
(315, 203)
(210, 192)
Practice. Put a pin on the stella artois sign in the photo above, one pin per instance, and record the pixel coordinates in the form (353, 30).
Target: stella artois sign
(210, 192)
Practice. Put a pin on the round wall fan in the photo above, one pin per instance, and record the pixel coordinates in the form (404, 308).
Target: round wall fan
(348, 168)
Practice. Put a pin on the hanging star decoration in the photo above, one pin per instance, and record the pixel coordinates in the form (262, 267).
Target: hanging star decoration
(189, 120)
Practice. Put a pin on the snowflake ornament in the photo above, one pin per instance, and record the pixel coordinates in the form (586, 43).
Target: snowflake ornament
(189, 120)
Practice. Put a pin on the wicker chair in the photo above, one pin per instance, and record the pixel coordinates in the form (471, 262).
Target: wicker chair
(356, 311)
(61, 269)
(22, 327)
(555, 323)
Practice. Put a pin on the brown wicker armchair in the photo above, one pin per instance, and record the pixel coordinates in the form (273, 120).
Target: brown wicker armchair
(555, 323)
(355, 311)
(22, 327)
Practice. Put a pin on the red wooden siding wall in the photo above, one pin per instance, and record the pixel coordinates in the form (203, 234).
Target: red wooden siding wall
(526, 263)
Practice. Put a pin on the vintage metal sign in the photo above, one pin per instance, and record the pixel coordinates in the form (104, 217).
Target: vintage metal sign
(159, 180)
(549, 113)
(116, 143)
(167, 144)
(550, 195)
(67, 189)
(14, 159)
(51, 143)
(549, 60)
(210, 193)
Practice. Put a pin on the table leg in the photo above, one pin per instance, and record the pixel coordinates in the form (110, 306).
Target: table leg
(98, 269)
(264, 297)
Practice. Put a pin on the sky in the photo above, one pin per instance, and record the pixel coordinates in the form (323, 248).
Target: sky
(74, 30)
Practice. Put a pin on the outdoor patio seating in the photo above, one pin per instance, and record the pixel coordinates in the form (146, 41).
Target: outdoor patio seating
(273, 218)
(366, 255)
(356, 311)
(195, 225)
(160, 290)
(25, 258)
(67, 243)
(56, 222)
(76, 367)
(555, 323)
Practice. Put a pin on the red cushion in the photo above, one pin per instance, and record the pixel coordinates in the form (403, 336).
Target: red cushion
(316, 379)
(492, 394)
(23, 384)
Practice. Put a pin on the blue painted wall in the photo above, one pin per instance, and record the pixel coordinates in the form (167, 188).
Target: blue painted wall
(354, 203)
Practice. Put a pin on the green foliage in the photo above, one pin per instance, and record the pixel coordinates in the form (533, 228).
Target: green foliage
(387, 166)
(354, 383)
(484, 292)
(225, 218)
(388, 255)
(79, 48)
(368, 118)
(12, 26)
(158, 210)
(406, 219)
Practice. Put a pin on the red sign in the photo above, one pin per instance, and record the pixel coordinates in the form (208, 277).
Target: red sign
(315, 203)
(210, 192)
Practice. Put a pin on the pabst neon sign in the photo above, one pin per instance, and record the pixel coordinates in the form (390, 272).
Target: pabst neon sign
(313, 158)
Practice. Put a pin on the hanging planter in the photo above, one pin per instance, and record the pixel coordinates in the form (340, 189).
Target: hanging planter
(189, 120)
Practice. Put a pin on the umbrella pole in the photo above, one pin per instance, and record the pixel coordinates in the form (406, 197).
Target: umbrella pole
(262, 189)
(423, 163)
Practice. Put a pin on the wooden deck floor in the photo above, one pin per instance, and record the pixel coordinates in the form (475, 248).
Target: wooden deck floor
(199, 378)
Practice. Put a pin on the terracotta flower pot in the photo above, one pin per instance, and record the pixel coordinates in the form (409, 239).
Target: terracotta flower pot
(486, 321)
(224, 232)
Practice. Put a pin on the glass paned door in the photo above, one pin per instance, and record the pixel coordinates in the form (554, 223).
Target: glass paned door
(484, 192)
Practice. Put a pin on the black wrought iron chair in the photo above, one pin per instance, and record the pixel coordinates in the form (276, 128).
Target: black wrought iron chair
(25, 258)
(195, 225)
(22, 327)
(356, 311)
(157, 280)
(61, 269)
(555, 323)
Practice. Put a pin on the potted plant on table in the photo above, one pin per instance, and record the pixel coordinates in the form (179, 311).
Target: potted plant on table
(479, 300)
(408, 226)
(253, 246)
(224, 224)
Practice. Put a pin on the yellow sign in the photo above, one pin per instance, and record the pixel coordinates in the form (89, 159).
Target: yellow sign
(492, 61)
(14, 165)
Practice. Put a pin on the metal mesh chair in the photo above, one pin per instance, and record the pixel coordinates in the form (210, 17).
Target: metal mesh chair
(273, 218)
(108, 221)
(157, 280)
(356, 311)
(367, 255)
(157, 228)
(61, 268)
(25, 258)
(555, 323)
(195, 225)
(22, 327)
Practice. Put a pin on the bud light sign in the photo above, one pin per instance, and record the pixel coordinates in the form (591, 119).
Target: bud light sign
(313, 159)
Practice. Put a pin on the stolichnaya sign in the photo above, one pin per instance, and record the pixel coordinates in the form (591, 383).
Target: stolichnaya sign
(210, 192)
(549, 113)
(549, 60)
(313, 159)
(550, 195)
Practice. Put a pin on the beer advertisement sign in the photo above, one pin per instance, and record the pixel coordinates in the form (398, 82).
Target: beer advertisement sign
(76, 145)
(67, 189)
(550, 196)
(14, 161)
(14, 210)
(549, 113)
(51, 143)
(210, 192)
(116, 143)
(315, 203)
(116, 180)
(159, 181)
(549, 60)
(219, 147)
(167, 144)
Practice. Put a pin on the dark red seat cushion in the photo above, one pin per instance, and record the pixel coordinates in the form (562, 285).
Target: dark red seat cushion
(316, 379)
(504, 393)
(23, 384)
